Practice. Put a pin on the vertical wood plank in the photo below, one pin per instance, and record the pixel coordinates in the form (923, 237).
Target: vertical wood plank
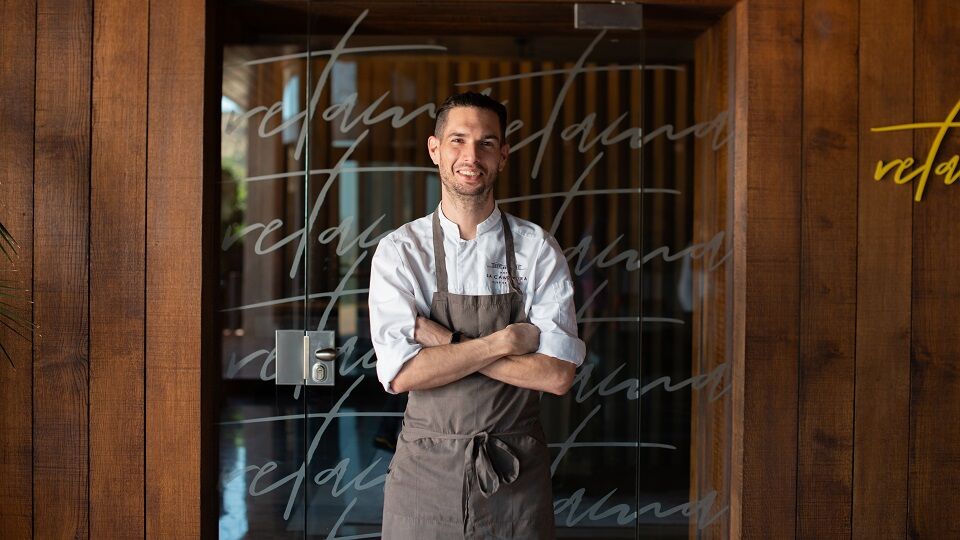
(637, 119)
(523, 181)
(381, 137)
(571, 158)
(739, 300)
(17, 60)
(710, 419)
(935, 343)
(266, 198)
(423, 128)
(768, 114)
(655, 406)
(702, 54)
(828, 288)
(883, 275)
(175, 148)
(61, 221)
(616, 175)
(117, 198)
(549, 179)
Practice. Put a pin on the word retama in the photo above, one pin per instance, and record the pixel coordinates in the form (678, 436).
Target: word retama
(946, 169)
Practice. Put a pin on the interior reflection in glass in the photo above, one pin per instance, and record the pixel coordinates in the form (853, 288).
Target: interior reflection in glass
(296, 256)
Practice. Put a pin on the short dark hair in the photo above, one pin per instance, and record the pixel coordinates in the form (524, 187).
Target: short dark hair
(472, 99)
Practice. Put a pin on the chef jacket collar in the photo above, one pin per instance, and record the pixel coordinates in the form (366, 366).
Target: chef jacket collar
(452, 230)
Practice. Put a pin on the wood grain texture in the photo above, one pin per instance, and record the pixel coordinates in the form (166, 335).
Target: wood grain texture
(117, 198)
(61, 242)
(710, 419)
(17, 59)
(935, 343)
(738, 336)
(883, 275)
(704, 54)
(828, 288)
(768, 113)
(173, 278)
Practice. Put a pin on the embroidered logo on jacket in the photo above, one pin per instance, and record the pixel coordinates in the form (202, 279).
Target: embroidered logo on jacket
(497, 274)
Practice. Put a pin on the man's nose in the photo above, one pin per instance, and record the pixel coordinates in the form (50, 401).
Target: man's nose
(469, 152)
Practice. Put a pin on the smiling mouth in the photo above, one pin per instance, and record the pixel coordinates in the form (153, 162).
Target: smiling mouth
(470, 173)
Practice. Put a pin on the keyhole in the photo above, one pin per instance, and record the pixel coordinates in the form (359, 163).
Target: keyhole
(319, 372)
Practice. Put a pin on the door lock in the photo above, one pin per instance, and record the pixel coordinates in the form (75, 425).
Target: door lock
(325, 354)
(319, 372)
(296, 364)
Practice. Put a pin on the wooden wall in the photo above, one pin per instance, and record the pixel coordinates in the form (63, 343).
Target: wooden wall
(767, 267)
(846, 385)
(17, 82)
(933, 442)
(884, 263)
(846, 381)
(101, 171)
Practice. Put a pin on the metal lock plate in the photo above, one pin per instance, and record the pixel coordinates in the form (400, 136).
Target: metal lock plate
(305, 357)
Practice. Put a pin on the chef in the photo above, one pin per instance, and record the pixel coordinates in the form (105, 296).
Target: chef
(472, 314)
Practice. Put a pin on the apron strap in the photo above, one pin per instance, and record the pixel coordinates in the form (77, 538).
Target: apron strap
(511, 255)
(440, 256)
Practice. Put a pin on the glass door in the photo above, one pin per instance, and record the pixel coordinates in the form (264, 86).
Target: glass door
(327, 107)
(263, 263)
(378, 81)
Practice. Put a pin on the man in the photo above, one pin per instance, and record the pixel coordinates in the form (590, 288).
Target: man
(472, 313)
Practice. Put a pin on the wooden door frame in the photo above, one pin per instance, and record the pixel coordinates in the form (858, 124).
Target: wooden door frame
(72, 395)
(767, 85)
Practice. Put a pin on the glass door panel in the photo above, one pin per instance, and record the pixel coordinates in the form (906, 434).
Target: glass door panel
(377, 84)
(636, 211)
(262, 268)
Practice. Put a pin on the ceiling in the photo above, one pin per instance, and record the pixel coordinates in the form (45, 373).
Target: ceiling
(683, 18)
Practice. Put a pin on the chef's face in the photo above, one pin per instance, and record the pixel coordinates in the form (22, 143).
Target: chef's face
(469, 152)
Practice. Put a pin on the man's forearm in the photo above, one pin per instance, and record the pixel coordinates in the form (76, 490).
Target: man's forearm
(533, 371)
(437, 366)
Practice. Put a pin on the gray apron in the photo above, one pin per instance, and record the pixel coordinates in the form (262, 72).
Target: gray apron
(471, 461)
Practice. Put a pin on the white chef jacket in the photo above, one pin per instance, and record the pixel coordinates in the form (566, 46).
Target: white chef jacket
(403, 280)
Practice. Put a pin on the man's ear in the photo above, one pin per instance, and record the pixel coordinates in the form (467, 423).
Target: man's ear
(504, 153)
(433, 147)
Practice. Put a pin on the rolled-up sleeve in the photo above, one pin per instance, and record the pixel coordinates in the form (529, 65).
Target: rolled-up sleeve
(552, 310)
(393, 312)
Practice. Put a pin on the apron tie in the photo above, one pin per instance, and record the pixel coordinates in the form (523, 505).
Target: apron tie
(494, 462)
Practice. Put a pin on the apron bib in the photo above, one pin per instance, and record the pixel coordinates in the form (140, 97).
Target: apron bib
(471, 461)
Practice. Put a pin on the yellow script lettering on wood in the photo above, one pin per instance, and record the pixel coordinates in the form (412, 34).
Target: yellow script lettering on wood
(946, 169)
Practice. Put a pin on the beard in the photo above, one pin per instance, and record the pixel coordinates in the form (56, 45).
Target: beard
(479, 191)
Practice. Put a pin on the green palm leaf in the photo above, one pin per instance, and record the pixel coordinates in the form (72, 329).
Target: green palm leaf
(11, 316)
(7, 244)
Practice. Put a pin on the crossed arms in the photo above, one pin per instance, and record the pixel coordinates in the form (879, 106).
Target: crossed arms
(507, 356)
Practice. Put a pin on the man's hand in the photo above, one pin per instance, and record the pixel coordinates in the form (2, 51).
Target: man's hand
(430, 334)
(515, 365)
(521, 338)
(516, 339)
